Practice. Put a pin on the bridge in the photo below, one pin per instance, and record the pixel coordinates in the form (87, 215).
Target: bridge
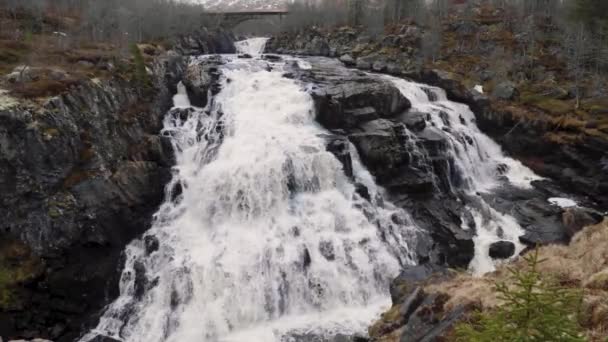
(232, 19)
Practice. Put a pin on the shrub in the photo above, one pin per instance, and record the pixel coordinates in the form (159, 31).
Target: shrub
(533, 310)
(140, 75)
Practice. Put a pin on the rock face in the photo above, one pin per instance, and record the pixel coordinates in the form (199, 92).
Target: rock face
(373, 115)
(80, 177)
(416, 315)
(573, 165)
(205, 41)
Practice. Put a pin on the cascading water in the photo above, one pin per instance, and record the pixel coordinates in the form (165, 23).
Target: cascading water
(267, 238)
(481, 164)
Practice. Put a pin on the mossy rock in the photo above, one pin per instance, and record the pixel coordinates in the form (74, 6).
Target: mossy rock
(18, 266)
(548, 104)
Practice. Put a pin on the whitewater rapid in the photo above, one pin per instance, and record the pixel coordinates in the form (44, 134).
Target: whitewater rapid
(267, 238)
(481, 165)
(263, 237)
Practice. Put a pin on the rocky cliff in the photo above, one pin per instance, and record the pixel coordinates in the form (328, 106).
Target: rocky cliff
(81, 175)
(534, 119)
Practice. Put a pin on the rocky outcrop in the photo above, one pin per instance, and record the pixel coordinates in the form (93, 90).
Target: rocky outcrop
(428, 302)
(80, 176)
(205, 41)
(528, 134)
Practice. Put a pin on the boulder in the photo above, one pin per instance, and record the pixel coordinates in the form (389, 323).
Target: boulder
(380, 147)
(502, 250)
(415, 121)
(317, 47)
(506, 91)
(347, 59)
(577, 218)
(20, 74)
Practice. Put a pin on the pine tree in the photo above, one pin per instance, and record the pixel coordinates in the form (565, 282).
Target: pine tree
(534, 310)
(140, 75)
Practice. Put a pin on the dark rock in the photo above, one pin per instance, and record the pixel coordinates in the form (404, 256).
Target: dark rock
(204, 42)
(339, 146)
(505, 91)
(317, 47)
(363, 191)
(101, 338)
(344, 99)
(272, 58)
(201, 77)
(410, 279)
(380, 66)
(380, 146)
(347, 60)
(76, 187)
(415, 121)
(577, 218)
(502, 250)
(151, 243)
(245, 56)
(326, 248)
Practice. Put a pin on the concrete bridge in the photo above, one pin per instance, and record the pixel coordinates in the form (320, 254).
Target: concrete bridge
(229, 20)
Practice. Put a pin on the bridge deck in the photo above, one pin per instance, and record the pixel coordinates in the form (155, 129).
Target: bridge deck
(248, 13)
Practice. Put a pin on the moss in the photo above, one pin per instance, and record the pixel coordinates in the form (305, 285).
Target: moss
(550, 105)
(18, 265)
(6, 291)
(54, 212)
(42, 88)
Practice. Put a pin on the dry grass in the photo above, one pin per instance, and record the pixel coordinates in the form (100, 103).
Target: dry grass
(581, 265)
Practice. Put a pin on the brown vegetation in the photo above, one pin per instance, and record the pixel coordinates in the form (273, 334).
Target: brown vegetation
(582, 264)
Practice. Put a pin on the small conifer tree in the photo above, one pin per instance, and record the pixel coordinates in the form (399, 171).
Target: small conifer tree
(140, 75)
(534, 310)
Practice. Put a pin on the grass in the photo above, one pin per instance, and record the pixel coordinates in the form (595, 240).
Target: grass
(582, 265)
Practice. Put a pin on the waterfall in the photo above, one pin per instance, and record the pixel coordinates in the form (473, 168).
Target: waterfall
(480, 162)
(262, 235)
(253, 46)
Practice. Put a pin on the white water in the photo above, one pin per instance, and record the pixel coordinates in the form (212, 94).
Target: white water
(253, 46)
(181, 100)
(562, 202)
(478, 160)
(269, 237)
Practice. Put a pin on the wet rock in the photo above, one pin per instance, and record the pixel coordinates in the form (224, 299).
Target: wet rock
(380, 146)
(272, 58)
(344, 99)
(204, 42)
(339, 146)
(326, 248)
(347, 59)
(101, 338)
(410, 279)
(200, 77)
(505, 91)
(502, 250)
(379, 66)
(415, 121)
(151, 244)
(363, 191)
